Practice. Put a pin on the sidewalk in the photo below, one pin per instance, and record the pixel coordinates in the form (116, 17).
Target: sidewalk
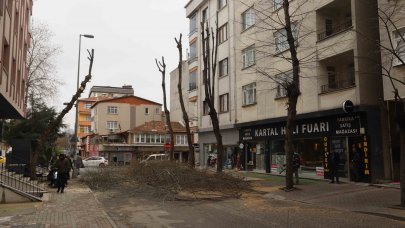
(77, 207)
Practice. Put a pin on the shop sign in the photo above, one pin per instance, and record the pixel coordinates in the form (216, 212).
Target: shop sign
(319, 171)
(338, 125)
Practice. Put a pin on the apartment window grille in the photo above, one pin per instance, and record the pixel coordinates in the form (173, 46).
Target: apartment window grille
(249, 94)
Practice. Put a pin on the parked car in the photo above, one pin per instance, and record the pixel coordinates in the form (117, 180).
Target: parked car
(156, 157)
(2, 159)
(95, 161)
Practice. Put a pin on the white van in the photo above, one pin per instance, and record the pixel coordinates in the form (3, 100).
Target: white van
(156, 157)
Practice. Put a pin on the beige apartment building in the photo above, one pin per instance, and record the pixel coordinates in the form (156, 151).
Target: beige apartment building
(339, 67)
(15, 40)
(392, 39)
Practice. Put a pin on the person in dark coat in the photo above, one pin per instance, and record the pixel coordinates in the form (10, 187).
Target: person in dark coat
(63, 167)
(356, 163)
(334, 160)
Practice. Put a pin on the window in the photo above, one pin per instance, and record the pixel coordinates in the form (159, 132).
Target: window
(399, 45)
(223, 103)
(6, 56)
(112, 125)
(223, 33)
(193, 81)
(84, 129)
(248, 18)
(112, 110)
(193, 24)
(181, 139)
(88, 117)
(206, 108)
(223, 67)
(283, 80)
(157, 111)
(331, 77)
(193, 51)
(249, 94)
(146, 111)
(280, 38)
(87, 105)
(277, 4)
(248, 57)
(204, 15)
(221, 4)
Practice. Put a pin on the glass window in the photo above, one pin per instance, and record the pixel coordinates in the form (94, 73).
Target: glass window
(193, 24)
(280, 38)
(249, 94)
(112, 125)
(193, 81)
(204, 15)
(223, 103)
(193, 51)
(112, 110)
(87, 105)
(146, 111)
(248, 18)
(223, 33)
(277, 4)
(399, 45)
(283, 80)
(206, 108)
(88, 117)
(222, 4)
(248, 57)
(223, 67)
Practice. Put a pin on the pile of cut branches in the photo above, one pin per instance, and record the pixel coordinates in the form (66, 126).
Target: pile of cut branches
(168, 180)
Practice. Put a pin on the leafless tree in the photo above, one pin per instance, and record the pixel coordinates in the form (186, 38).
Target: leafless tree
(55, 124)
(162, 69)
(41, 81)
(191, 159)
(391, 16)
(209, 76)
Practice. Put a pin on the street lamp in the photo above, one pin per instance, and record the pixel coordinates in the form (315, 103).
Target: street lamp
(77, 87)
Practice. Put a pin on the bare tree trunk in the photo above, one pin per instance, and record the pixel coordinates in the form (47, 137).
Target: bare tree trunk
(162, 68)
(293, 92)
(209, 73)
(54, 124)
(191, 158)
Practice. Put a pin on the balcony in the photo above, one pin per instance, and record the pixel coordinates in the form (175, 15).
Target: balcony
(333, 30)
(338, 85)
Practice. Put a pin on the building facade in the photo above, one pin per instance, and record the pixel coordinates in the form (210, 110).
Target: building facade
(393, 45)
(339, 65)
(15, 40)
(109, 91)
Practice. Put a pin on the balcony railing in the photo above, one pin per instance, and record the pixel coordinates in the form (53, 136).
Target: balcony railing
(334, 30)
(338, 85)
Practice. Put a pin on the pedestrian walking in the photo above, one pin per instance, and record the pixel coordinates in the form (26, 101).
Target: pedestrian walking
(63, 167)
(334, 161)
(296, 166)
(78, 164)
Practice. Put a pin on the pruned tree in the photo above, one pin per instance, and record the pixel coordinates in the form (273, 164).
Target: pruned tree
(54, 124)
(162, 69)
(41, 80)
(191, 158)
(209, 54)
(391, 17)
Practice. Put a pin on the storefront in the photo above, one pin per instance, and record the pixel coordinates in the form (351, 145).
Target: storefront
(262, 145)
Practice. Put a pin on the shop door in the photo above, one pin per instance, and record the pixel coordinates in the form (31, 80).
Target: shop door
(356, 158)
(340, 147)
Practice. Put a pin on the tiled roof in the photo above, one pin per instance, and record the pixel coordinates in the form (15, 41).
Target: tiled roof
(134, 100)
(159, 127)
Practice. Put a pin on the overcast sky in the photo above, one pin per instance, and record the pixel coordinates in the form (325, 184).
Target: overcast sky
(129, 35)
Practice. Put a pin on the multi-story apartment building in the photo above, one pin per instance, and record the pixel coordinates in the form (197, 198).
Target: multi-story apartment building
(393, 41)
(15, 40)
(96, 93)
(339, 62)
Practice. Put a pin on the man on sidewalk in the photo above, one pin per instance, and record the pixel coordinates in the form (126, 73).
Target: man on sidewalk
(63, 168)
(334, 161)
